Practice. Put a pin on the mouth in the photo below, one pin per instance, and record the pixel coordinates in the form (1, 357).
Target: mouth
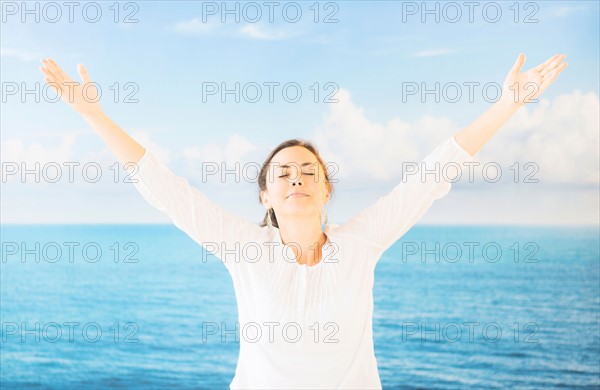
(297, 195)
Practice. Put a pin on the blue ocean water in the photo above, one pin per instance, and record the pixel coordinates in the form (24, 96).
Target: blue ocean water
(122, 306)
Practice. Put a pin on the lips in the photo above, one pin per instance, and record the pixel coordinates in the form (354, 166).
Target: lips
(297, 195)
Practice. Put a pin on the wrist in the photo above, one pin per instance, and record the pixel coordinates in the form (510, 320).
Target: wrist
(508, 102)
(87, 115)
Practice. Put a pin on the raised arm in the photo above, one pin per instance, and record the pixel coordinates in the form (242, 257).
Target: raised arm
(381, 224)
(189, 209)
(125, 148)
(518, 88)
(210, 225)
(384, 222)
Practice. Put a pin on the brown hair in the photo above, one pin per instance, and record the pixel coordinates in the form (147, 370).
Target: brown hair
(262, 177)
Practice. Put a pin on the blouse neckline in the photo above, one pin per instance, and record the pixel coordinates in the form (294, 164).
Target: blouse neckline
(324, 249)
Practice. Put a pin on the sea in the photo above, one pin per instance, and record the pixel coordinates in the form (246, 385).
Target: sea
(133, 306)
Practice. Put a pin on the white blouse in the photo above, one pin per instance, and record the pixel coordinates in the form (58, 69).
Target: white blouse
(303, 326)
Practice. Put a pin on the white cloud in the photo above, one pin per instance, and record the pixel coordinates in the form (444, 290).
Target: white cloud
(433, 52)
(194, 26)
(14, 149)
(68, 149)
(561, 137)
(236, 149)
(260, 32)
(565, 10)
(367, 150)
(208, 152)
(20, 54)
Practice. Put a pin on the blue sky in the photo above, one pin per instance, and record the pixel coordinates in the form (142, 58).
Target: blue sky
(369, 54)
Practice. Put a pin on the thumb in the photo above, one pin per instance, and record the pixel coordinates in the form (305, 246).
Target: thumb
(519, 63)
(83, 73)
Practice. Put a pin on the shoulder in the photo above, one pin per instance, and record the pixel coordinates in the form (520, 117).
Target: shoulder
(332, 227)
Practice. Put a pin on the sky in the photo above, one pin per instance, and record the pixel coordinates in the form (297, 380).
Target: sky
(335, 73)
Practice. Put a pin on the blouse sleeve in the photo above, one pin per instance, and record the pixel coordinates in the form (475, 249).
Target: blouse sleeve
(383, 223)
(191, 211)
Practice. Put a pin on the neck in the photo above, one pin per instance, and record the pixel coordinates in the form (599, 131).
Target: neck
(306, 234)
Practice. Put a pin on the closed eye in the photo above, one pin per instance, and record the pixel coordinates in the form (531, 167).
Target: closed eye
(309, 174)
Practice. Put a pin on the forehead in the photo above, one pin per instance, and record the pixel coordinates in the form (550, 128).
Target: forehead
(294, 154)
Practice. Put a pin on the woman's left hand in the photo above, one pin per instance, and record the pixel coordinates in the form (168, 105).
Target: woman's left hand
(520, 88)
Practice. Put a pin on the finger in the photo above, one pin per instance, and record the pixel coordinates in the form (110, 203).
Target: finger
(546, 63)
(552, 65)
(51, 70)
(47, 70)
(46, 73)
(550, 76)
(519, 63)
(50, 79)
(57, 71)
(83, 73)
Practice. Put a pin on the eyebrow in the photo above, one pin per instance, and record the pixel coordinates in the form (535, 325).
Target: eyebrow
(302, 165)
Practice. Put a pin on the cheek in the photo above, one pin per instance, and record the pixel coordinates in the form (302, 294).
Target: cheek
(277, 187)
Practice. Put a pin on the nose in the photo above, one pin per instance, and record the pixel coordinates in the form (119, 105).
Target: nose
(296, 177)
(297, 180)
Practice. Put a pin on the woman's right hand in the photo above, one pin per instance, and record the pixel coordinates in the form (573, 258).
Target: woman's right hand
(80, 96)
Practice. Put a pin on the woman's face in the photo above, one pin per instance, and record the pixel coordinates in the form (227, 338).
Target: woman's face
(295, 169)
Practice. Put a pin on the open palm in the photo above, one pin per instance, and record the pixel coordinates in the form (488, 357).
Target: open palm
(81, 96)
(524, 87)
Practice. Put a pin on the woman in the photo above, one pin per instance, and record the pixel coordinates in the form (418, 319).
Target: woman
(304, 290)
